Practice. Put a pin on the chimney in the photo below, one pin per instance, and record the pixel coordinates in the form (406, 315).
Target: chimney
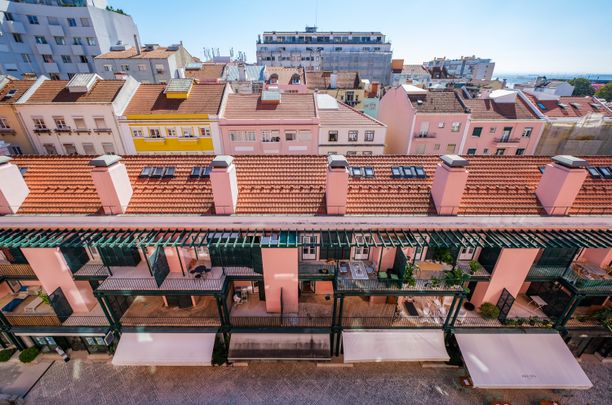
(112, 183)
(560, 183)
(13, 188)
(224, 184)
(333, 80)
(336, 184)
(136, 44)
(242, 72)
(449, 184)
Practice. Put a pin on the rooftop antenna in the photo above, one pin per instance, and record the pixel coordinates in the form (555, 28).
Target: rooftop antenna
(316, 12)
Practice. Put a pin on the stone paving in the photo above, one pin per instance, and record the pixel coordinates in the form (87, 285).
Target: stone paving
(287, 383)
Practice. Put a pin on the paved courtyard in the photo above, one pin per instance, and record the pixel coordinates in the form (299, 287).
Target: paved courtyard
(286, 383)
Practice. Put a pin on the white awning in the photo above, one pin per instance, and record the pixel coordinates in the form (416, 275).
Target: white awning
(279, 346)
(515, 360)
(164, 349)
(393, 345)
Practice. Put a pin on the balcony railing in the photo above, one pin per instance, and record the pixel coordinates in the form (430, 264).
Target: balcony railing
(503, 139)
(587, 285)
(92, 270)
(32, 320)
(316, 270)
(513, 322)
(10, 270)
(387, 322)
(286, 321)
(344, 284)
(579, 322)
(425, 135)
(85, 320)
(233, 272)
(202, 321)
(169, 284)
(546, 272)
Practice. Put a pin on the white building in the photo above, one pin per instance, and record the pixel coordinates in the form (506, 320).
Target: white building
(559, 88)
(148, 64)
(368, 53)
(53, 39)
(76, 117)
(466, 67)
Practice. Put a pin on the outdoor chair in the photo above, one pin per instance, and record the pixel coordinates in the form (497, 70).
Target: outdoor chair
(382, 276)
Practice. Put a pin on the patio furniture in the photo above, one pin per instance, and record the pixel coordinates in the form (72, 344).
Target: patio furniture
(199, 270)
(461, 317)
(411, 308)
(538, 301)
(31, 307)
(469, 306)
(369, 269)
(12, 305)
(358, 271)
(382, 276)
(343, 267)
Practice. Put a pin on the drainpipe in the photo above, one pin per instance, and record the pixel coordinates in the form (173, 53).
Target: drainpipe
(339, 325)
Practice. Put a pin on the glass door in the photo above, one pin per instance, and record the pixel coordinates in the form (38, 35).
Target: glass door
(309, 248)
(95, 344)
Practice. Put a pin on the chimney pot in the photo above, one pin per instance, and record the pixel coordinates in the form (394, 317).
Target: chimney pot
(336, 184)
(112, 183)
(13, 188)
(449, 184)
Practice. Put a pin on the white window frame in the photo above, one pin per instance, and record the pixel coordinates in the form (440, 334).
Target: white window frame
(154, 133)
(362, 252)
(60, 123)
(205, 132)
(353, 136)
(4, 123)
(97, 123)
(187, 132)
(137, 133)
(309, 252)
(290, 135)
(171, 132)
(87, 145)
(456, 126)
(527, 131)
(72, 146)
(39, 123)
(368, 136)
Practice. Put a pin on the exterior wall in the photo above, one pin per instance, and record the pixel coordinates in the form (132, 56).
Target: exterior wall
(509, 272)
(355, 101)
(575, 138)
(599, 257)
(70, 111)
(439, 141)
(17, 135)
(344, 147)
(280, 270)
(488, 142)
(105, 26)
(258, 147)
(53, 272)
(396, 112)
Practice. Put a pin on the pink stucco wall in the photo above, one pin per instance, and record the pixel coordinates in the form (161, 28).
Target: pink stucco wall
(4, 289)
(488, 142)
(443, 137)
(52, 271)
(599, 257)
(396, 112)
(447, 188)
(336, 190)
(509, 272)
(113, 187)
(280, 271)
(324, 288)
(225, 189)
(258, 147)
(559, 187)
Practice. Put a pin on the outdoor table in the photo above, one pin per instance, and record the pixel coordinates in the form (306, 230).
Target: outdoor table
(536, 299)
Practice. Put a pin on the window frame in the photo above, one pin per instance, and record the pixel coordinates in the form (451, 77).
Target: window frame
(353, 135)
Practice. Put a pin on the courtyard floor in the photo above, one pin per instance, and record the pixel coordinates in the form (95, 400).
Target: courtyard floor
(79, 382)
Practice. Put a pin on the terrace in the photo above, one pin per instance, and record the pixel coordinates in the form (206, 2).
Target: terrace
(524, 313)
(200, 311)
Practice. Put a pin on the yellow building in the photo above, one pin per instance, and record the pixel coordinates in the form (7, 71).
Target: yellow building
(12, 132)
(182, 116)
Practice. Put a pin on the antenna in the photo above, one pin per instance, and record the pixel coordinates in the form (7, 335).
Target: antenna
(316, 12)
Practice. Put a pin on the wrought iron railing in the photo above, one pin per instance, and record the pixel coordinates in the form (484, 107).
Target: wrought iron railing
(85, 320)
(16, 270)
(286, 321)
(510, 322)
(33, 319)
(387, 322)
(92, 270)
(169, 284)
(546, 272)
(578, 322)
(503, 139)
(202, 321)
(345, 284)
(240, 271)
(587, 285)
(316, 270)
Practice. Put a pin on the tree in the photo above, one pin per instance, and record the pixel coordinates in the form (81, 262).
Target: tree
(605, 92)
(582, 87)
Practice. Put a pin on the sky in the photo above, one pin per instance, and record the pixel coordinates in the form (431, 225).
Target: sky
(521, 36)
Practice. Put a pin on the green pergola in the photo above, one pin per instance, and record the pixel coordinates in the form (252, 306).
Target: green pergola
(42, 238)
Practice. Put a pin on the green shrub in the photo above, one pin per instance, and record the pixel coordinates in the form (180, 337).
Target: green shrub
(29, 354)
(489, 311)
(474, 266)
(6, 354)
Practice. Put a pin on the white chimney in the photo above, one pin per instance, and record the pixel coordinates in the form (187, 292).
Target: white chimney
(333, 80)
(13, 188)
(224, 184)
(242, 72)
(112, 183)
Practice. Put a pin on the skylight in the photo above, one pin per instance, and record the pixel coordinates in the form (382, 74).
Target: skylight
(408, 172)
(200, 172)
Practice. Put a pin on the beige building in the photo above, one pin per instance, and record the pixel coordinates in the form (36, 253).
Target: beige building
(12, 131)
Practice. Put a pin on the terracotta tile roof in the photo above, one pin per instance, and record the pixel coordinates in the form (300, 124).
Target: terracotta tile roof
(159, 53)
(286, 185)
(55, 91)
(150, 99)
(208, 72)
(284, 75)
(415, 70)
(249, 106)
(487, 109)
(20, 85)
(321, 79)
(552, 109)
(445, 101)
(346, 116)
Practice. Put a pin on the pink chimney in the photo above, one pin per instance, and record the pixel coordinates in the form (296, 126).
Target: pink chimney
(449, 184)
(112, 183)
(336, 184)
(13, 188)
(224, 184)
(560, 183)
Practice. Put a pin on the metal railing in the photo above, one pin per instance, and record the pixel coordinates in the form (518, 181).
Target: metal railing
(578, 322)
(425, 135)
(240, 271)
(313, 270)
(33, 319)
(85, 320)
(388, 322)
(92, 270)
(502, 139)
(170, 321)
(344, 284)
(511, 322)
(16, 270)
(169, 284)
(546, 272)
(286, 321)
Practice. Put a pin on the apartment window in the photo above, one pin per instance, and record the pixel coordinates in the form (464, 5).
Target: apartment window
(77, 41)
(52, 20)
(450, 148)
(26, 58)
(527, 132)
(171, 132)
(137, 133)
(8, 16)
(290, 135)
(54, 76)
(4, 124)
(471, 151)
(270, 136)
(17, 37)
(89, 149)
(60, 123)
(485, 151)
(520, 151)
(492, 130)
(332, 136)
(309, 247)
(159, 69)
(91, 41)
(40, 40)
(108, 68)
(455, 127)
(437, 146)
(441, 124)
(362, 252)
(47, 58)
(236, 136)
(187, 132)
(60, 40)
(154, 133)
(14, 150)
(79, 123)
(141, 68)
(70, 149)
(304, 136)
(477, 131)
(205, 132)
(250, 136)
(100, 123)
(125, 68)
(72, 22)
(82, 58)
(39, 123)
(49, 149)
(66, 59)
(353, 136)
(369, 136)
(32, 19)
(85, 22)
(108, 148)
(500, 151)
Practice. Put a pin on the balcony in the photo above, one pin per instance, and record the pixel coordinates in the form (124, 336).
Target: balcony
(171, 283)
(162, 312)
(7, 131)
(63, 130)
(586, 277)
(316, 271)
(425, 135)
(15, 27)
(17, 271)
(278, 321)
(241, 273)
(524, 313)
(42, 130)
(91, 271)
(503, 139)
(546, 273)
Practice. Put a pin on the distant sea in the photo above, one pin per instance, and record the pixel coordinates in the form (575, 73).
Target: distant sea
(512, 78)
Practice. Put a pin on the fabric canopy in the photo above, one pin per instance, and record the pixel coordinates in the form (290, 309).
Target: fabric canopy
(396, 345)
(279, 346)
(164, 349)
(503, 361)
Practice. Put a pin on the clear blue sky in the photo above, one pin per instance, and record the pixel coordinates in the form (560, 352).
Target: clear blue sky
(535, 36)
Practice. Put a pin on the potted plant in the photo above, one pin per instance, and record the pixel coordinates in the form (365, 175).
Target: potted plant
(489, 311)
(28, 355)
(604, 316)
(409, 279)
(44, 297)
(6, 354)
(475, 266)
